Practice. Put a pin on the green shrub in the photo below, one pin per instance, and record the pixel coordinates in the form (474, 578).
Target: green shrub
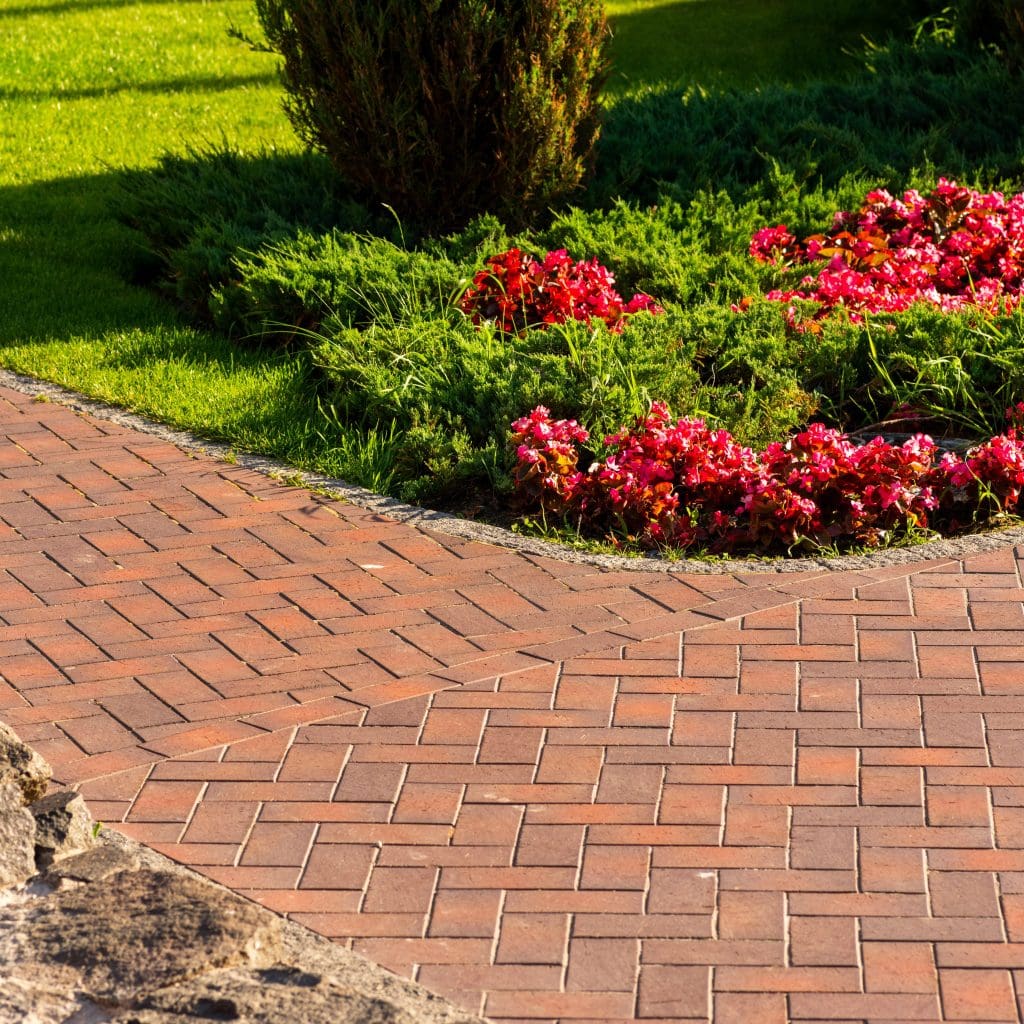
(444, 109)
(959, 371)
(196, 213)
(690, 252)
(347, 279)
(453, 389)
(998, 22)
(914, 107)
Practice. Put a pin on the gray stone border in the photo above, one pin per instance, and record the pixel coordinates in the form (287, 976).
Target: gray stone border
(443, 522)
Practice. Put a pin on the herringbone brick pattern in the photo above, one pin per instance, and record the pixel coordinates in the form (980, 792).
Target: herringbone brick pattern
(546, 791)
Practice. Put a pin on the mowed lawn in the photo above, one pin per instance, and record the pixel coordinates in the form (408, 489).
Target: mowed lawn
(742, 42)
(87, 87)
(91, 86)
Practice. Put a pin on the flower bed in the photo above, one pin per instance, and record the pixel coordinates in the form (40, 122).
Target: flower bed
(953, 248)
(665, 484)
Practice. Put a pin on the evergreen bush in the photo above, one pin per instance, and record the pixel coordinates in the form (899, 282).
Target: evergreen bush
(444, 109)
(998, 23)
(1009, 19)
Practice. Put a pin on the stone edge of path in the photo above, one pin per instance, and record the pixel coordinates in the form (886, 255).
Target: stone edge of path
(451, 525)
(96, 927)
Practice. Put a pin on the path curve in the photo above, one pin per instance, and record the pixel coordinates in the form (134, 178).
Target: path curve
(547, 790)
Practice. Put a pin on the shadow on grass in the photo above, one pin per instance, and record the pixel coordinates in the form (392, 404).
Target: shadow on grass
(746, 41)
(927, 108)
(208, 83)
(64, 261)
(70, 264)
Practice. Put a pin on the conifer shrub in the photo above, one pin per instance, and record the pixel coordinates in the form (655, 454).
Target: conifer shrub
(1009, 17)
(444, 109)
(200, 212)
(332, 280)
(450, 388)
(998, 23)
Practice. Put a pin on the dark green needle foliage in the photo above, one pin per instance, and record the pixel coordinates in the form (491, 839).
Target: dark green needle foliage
(444, 109)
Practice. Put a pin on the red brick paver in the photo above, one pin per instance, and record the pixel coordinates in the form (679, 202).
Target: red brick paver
(547, 791)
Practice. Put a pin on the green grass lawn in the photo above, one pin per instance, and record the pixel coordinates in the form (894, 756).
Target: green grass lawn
(741, 42)
(88, 87)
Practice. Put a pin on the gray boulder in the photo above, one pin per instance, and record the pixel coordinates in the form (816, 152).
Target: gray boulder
(17, 837)
(63, 827)
(22, 765)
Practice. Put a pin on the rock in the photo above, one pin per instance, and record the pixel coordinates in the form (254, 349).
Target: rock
(93, 866)
(275, 995)
(136, 932)
(17, 837)
(22, 765)
(45, 999)
(111, 932)
(63, 827)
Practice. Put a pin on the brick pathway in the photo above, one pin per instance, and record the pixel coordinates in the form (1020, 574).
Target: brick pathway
(549, 792)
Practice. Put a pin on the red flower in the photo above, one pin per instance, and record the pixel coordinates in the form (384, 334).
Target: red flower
(953, 248)
(664, 483)
(516, 292)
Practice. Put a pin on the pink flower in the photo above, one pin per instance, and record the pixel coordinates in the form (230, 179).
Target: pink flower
(772, 245)
(679, 483)
(953, 248)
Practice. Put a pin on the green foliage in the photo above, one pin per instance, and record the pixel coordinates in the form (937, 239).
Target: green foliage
(452, 390)
(690, 251)
(448, 108)
(394, 355)
(912, 108)
(342, 278)
(253, 191)
(959, 371)
(998, 22)
(199, 211)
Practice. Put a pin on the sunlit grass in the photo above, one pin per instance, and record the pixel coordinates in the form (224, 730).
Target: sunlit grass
(89, 87)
